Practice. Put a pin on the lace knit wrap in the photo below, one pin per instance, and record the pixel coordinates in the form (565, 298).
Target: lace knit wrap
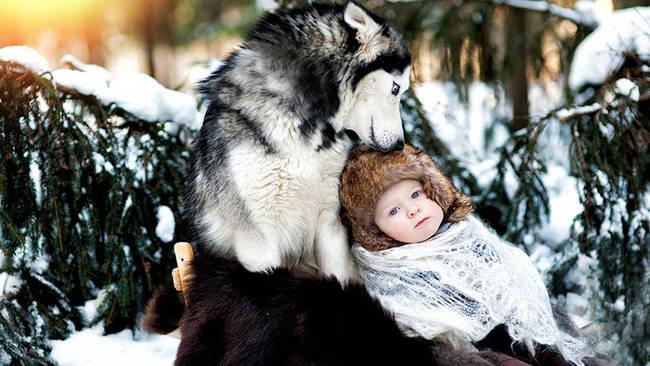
(465, 280)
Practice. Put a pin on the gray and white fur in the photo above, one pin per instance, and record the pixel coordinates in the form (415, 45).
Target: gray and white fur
(265, 168)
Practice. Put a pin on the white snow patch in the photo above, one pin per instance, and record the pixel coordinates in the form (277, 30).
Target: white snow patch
(26, 57)
(542, 257)
(91, 347)
(601, 53)
(35, 176)
(584, 265)
(145, 98)
(588, 9)
(628, 88)
(619, 304)
(564, 203)
(127, 205)
(266, 4)
(5, 359)
(9, 284)
(166, 224)
(89, 310)
(576, 304)
(3, 281)
(102, 164)
(580, 321)
(85, 83)
(97, 71)
(136, 93)
(40, 264)
(565, 113)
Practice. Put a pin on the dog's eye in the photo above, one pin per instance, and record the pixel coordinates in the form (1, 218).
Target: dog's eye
(395, 88)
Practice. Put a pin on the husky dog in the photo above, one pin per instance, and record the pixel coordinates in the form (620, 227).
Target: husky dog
(265, 167)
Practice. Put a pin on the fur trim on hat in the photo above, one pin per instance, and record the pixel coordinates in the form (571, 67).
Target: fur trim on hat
(368, 174)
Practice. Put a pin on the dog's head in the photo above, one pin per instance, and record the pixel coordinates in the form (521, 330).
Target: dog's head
(376, 80)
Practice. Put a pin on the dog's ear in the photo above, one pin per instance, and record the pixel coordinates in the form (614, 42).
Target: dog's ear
(358, 18)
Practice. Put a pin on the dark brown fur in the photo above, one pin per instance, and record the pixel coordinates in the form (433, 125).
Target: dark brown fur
(235, 317)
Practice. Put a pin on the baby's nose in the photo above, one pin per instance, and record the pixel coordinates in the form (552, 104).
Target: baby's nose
(414, 211)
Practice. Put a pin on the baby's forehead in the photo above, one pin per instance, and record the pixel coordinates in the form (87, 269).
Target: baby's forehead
(403, 184)
(400, 187)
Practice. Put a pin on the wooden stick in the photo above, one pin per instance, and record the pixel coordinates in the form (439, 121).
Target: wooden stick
(184, 257)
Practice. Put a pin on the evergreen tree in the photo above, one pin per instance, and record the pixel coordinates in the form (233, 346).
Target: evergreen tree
(610, 155)
(80, 185)
(607, 149)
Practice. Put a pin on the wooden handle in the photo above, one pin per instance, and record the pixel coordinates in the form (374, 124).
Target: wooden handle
(184, 256)
(176, 276)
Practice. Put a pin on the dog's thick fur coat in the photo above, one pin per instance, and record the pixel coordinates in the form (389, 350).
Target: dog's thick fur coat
(236, 317)
(265, 168)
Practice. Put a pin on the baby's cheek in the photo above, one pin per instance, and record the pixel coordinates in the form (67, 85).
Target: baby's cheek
(403, 231)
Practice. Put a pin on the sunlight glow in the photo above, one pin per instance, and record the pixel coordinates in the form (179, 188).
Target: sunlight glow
(40, 14)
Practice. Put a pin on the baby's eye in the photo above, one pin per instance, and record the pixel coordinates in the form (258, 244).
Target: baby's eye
(415, 194)
(393, 211)
(395, 88)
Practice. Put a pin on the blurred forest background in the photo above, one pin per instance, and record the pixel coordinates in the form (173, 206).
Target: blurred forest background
(79, 232)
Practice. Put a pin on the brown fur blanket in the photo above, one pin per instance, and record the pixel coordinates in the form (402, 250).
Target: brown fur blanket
(235, 317)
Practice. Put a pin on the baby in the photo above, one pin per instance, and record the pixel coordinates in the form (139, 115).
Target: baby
(461, 281)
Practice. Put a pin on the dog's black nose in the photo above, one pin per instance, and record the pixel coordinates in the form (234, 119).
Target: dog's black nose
(399, 145)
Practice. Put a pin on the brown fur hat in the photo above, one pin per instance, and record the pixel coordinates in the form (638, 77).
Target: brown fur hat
(368, 174)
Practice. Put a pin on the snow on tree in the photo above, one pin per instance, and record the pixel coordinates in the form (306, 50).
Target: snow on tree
(89, 163)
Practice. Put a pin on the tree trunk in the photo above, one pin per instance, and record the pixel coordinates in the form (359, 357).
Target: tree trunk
(148, 36)
(517, 84)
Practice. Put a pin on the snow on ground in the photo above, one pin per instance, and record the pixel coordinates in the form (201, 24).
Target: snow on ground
(601, 53)
(90, 347)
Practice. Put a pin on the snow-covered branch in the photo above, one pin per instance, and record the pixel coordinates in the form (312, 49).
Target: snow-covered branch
(585, 18)
(576, 16)
(566, 114)
(136, 93)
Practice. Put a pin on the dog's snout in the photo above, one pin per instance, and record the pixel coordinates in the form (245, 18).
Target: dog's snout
(397, 145)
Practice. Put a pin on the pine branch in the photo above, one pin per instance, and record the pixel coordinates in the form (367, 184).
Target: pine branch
(13, 230)
(564, 114)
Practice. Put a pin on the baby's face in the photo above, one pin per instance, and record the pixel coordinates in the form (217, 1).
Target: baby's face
(405, 213)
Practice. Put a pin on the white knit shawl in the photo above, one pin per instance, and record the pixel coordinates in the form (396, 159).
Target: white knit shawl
(465, 280)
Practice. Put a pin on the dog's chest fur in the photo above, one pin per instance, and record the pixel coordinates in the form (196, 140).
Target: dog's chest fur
(285, 192)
